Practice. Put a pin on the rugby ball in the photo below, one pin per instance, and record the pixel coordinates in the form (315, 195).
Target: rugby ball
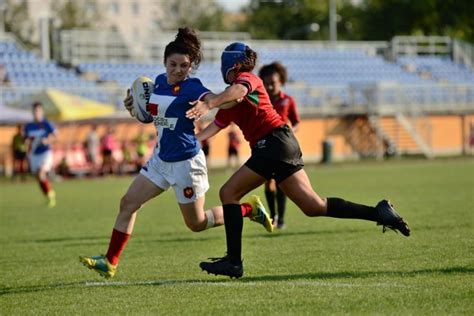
(141, 90)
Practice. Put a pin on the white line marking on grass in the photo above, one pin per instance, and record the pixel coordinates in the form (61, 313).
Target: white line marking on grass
(241, 284)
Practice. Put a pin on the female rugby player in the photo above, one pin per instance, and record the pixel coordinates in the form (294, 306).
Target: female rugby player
(274, 77)
(177, 160)
(275, 154)
(40, 134)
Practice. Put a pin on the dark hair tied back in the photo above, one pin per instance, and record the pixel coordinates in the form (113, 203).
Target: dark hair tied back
(186, 43)
(248, 64)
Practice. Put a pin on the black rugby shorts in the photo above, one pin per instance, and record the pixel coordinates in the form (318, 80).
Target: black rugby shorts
(277, 155)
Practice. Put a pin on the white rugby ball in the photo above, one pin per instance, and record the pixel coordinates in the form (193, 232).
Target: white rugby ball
(141, 90)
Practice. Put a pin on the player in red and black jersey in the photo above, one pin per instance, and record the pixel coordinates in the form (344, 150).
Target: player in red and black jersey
(275, 154)
(274, 77)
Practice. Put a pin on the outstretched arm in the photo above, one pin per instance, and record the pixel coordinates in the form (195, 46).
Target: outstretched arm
(226, 99)
(211, 130)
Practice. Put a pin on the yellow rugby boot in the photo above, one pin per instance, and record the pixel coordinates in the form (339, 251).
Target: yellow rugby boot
(99, 264)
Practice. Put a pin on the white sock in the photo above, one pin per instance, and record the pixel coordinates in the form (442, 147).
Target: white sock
(210, 219)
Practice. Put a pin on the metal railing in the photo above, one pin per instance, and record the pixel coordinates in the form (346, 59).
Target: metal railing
(317, 100)
(420, 45)
(463, 53)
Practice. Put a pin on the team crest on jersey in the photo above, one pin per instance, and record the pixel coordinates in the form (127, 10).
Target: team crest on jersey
(188, 192)
(176, 89)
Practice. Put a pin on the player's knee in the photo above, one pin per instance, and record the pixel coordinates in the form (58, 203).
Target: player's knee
(196, 226)
(225, 193)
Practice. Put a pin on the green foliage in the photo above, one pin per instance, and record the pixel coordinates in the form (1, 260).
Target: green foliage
(369, 20)
(287, 19)
(17, 21)
(72, 14)
(204, 15)
(316, 265)
(383, 19)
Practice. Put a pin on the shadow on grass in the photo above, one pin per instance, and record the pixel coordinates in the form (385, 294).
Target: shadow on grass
(319, 276)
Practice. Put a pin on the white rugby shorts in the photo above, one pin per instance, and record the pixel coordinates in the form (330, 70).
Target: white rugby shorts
(41, 161)
(188, 177)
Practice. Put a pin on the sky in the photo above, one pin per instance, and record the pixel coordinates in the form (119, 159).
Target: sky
(233, 5)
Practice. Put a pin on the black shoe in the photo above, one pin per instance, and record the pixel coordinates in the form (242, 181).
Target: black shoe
(389, 218)
(223, 266)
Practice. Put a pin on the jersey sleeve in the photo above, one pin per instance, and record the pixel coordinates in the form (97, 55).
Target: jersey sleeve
(223, 118)
(249, 80)
(198, 91)
(50, 128)
(293, 115)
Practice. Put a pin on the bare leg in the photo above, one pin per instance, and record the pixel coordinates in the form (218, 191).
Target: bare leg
(140, 191)
(197, 219)
(298, 188)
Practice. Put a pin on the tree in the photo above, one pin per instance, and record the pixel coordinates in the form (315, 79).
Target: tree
(70, 14)
(205, 15)
(17, 21)
(383, 19)
(297, 19)
(363, 20)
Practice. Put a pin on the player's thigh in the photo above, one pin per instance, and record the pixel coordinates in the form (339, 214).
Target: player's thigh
(189, 178)
(298, 188)
(240, 183)
(140, 191)
(47, 162)
(35, 161)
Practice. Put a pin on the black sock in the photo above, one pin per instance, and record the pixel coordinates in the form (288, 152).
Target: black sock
(234, 223)
(281, 202)
(270, 195)
(340, 208)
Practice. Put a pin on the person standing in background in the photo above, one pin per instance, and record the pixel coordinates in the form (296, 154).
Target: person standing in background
(19, 153)
(205, 146)
(233, 148)
(93, 149)
(141, 143)
(108, 145)
(274, 77)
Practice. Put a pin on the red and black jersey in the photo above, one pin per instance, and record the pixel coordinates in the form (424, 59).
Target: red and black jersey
(285, 105)
(255, 115)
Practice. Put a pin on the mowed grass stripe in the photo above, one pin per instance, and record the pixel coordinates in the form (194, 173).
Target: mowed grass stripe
(316, 265)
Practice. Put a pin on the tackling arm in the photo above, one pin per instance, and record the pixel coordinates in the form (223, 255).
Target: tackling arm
(211, 130)
(226, 99)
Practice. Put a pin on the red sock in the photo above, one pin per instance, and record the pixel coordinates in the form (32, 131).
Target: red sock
(246, 209)
(116, 246)
(45, 186)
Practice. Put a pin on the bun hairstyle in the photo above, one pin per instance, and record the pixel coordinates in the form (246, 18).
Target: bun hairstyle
(274, 68)
(186, 43)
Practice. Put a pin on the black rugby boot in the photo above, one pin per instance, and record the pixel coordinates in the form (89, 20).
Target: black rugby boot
(389, 218)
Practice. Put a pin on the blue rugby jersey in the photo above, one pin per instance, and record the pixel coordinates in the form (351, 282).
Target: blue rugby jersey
(37, 131)
(168, 105)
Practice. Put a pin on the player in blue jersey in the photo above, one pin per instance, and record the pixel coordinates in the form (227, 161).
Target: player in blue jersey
(177, 160)
(39, 135)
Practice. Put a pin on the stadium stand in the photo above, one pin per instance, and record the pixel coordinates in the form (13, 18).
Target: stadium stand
(26, 70)
(441, 69)
(359, 81)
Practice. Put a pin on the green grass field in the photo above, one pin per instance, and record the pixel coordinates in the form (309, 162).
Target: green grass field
(314, 266)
